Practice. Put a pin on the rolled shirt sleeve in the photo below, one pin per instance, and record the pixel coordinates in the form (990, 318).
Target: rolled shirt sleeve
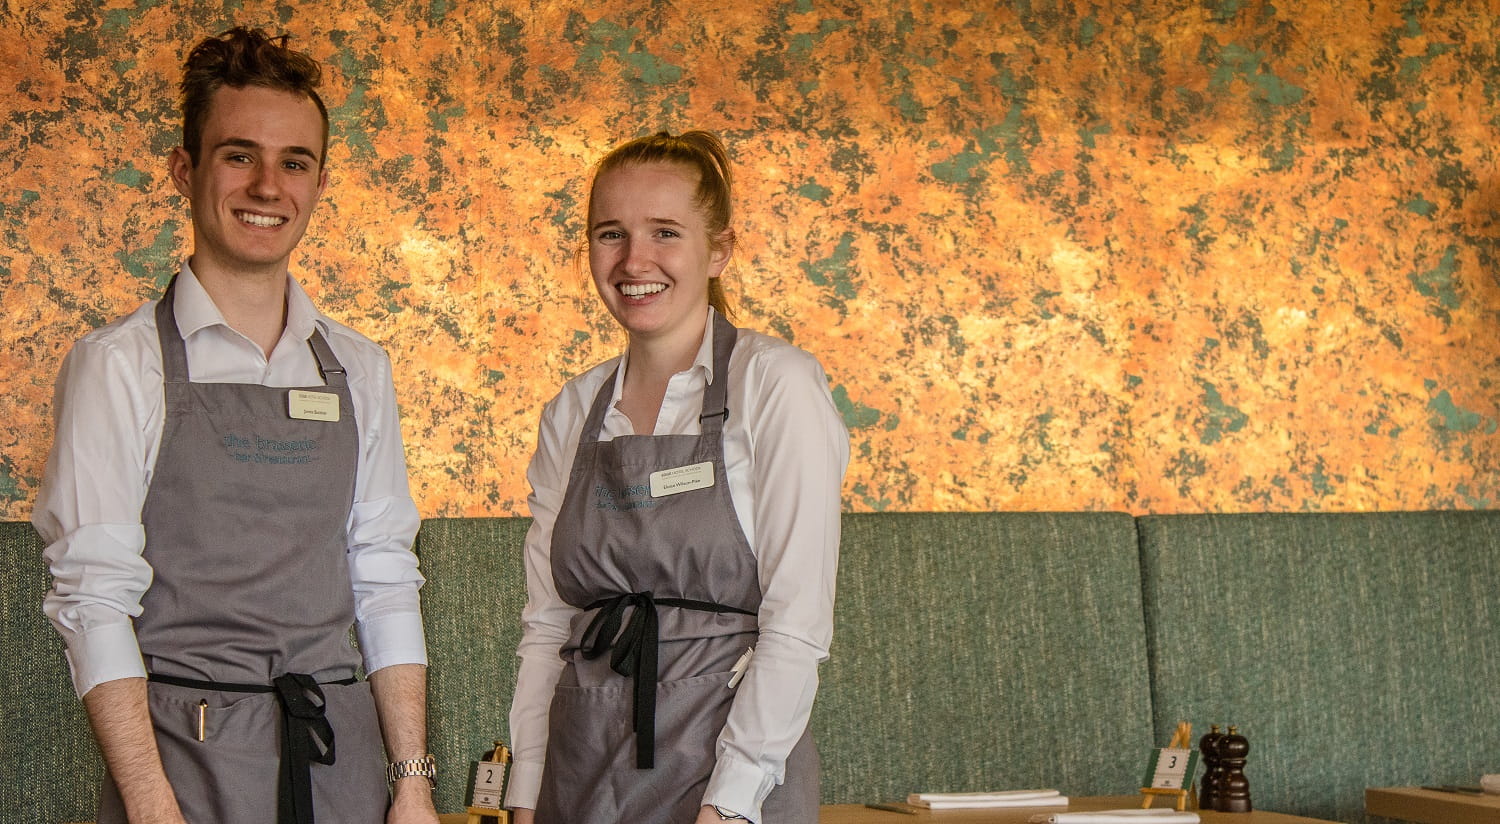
(799, 451)
(546, 619)
(383, 524)
(88, 510)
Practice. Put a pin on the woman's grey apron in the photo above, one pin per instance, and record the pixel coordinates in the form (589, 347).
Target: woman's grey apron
(245, 628)
(669, 591)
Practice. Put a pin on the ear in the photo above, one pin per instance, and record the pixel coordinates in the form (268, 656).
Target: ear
(721, 249)
(180, 166)
(322, 180)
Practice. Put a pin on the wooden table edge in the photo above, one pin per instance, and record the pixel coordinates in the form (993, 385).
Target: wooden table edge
(860, 814)
(1432, 806)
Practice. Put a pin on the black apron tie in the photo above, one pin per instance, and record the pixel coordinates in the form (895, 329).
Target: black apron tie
(634, 654)
(306, 735)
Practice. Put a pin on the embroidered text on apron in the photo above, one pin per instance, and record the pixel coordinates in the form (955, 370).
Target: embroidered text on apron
(676, 572)
(245, 628)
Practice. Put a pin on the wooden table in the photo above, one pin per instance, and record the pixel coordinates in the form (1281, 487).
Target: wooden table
(860, 814)
(1432, 806)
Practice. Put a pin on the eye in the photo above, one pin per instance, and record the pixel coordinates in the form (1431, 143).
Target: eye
(295, 166)
(667, 233)
(237, 158)
(610, 234)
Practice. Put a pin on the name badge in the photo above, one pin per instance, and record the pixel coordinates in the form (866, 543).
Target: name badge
(682, 479)
(312, 406)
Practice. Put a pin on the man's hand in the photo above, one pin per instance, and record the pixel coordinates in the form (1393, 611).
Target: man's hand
(411, 802)
(122, 725)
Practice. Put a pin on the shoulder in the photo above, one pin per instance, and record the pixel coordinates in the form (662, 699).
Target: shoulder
(128, 342)
(367, 356)
(759, 358)
(572, 402)
(774, 382)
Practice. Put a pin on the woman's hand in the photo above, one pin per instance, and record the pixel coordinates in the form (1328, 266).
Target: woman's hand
(708, 815)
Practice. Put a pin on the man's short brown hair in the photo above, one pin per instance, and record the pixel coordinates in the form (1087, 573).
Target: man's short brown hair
(238, 58)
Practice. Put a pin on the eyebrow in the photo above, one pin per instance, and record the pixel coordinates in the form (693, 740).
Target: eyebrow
(246, 143)
(659, 221)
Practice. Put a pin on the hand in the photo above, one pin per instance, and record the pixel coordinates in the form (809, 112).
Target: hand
(412, 802)
(708, 815)
(522, 815)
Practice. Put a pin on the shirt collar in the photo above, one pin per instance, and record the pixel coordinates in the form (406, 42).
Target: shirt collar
(195, 310)
(704, 360)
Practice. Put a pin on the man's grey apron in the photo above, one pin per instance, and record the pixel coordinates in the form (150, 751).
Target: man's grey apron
(245, 530)
(677, 573)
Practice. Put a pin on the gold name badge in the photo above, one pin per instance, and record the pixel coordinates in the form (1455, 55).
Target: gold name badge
(312, 406)
(682, 479)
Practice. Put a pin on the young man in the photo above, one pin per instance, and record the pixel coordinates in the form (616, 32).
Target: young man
(228, 472)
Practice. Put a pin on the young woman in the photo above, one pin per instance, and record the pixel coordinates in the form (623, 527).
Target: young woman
(681, 563)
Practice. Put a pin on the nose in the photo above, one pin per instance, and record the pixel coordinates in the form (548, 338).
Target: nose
(265, 182)
(637, 260)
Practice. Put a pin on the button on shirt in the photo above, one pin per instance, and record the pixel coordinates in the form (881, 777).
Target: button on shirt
(108, 408)
(785, 452)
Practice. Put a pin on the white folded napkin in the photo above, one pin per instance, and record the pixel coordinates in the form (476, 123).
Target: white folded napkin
(1007, 798)
(1489, 783)
(1120, 817)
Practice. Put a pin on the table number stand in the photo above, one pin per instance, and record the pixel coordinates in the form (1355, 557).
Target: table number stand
(1171, 770)
(487, 789)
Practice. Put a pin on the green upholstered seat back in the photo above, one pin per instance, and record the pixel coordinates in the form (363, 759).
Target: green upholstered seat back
(1353, 650)
(984, 651)
(471, 607)
(52, 767)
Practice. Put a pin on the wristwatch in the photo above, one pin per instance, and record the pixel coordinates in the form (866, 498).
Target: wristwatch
(725, 815)
(426, 766)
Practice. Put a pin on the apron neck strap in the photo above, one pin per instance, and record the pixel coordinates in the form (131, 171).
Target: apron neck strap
(328, 363)
(173, 352)
(716, 395)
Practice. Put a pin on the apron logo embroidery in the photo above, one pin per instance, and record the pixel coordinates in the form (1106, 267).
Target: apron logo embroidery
(620, 500)
(255, 449)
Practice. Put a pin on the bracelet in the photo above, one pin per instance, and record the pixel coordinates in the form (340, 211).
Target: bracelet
(426, 767)
(725, 815)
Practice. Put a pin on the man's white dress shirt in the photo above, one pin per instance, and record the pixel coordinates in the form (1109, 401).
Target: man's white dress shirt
(108, 410)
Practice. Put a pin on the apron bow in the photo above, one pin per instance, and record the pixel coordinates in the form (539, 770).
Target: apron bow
(633, 653)
(306, 737)
(633, 656)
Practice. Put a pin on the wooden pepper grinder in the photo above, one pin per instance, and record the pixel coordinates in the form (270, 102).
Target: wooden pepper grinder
(1234, 792)
(1213, 769)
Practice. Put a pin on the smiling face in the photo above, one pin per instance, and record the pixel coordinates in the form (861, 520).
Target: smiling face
(258, 176)
(650, 252)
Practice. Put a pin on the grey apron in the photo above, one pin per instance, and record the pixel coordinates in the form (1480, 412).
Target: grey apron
(669, 590)
(245, 628)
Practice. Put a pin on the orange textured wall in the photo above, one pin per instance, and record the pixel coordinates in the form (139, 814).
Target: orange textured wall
(1147, 256)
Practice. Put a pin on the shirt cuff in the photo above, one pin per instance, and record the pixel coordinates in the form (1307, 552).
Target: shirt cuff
(525, 784)
(739, 786)
(391, 639)
(106, 653)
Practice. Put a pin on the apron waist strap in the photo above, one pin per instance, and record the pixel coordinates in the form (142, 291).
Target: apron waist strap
(634, 653)
(306, 735)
